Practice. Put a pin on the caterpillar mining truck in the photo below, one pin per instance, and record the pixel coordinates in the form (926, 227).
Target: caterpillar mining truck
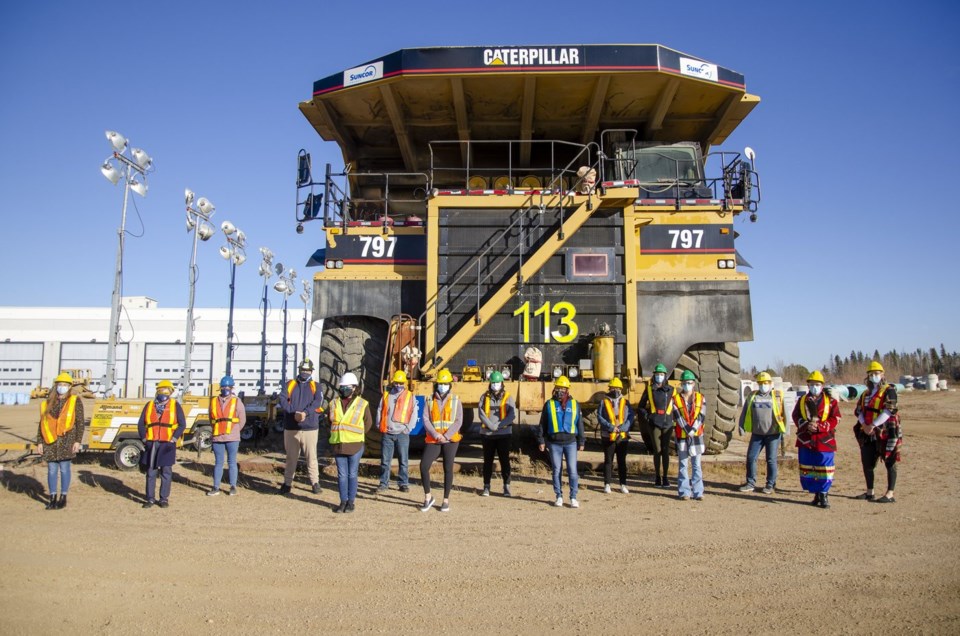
(533, 210)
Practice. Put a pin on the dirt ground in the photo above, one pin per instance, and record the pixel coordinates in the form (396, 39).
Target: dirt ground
(639, 563)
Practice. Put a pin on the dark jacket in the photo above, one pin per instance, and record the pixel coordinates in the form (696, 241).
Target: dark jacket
(656, 414)
(160, 454)
(304, 396)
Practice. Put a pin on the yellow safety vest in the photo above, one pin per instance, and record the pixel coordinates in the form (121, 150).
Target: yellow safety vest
(556, 418)
(777, 412)
(825, 405)
(487, 399)
(223, 423)
(346, 427)
(52, 428)
(653, 405)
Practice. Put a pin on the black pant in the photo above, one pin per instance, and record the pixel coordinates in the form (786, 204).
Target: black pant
(430, 454)
(499, 444)
(869, 455)
(609, 449)
(661, 449)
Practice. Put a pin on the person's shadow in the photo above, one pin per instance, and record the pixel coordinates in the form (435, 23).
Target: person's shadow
(109, 484)
(23, 484)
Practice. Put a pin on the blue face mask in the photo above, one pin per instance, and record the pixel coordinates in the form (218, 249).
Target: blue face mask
(225, 392)
(396, 388)
(814, 389)
(162, 397)
(442, 389)
(304, 376)
(659, 377)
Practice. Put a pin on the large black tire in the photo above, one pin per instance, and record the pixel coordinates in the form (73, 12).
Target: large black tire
(355, 344)
(718, 370)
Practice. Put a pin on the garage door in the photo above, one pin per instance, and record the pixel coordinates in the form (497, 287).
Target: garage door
(92, 356)
(165, 362)
(246, 367)
(21, 364)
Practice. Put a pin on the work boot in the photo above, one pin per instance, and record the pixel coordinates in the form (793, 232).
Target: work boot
(52, 503)
(816, 500)
(341, 507)
(658, 482)
(349, 507)
(316, 488)
(284, 489)
(148, 503)
(824, 500)
(62, 502)
(666, 482)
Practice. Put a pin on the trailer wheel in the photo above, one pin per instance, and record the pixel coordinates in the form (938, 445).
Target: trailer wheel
(356, 344)
(127, 454)
(202, 438)
(249, 431)
(718, 370)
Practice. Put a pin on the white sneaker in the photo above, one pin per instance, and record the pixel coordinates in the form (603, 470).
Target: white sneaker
(624, 490)
(559, 502)
(574, 503)
(606, 489)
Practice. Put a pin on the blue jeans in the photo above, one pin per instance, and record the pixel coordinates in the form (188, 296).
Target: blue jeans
(684, 480)
(61, 470)
(218, 452)
(348, 467)
(770, 444)
(166, 479)
(557, 453)
(389, 442)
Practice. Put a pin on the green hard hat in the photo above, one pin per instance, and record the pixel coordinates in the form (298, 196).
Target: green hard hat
(687, 375)
(496, 376)
(660, 369)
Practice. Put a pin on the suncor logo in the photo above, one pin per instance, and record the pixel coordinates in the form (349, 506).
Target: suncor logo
(696, 68)
(362, 74)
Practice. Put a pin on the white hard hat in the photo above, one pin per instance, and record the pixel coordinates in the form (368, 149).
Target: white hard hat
(349, 379)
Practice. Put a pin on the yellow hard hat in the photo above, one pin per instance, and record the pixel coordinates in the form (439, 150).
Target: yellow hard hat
(165, 384)
(63, 377)
(815, 376)
(875, 366)
(444, 377)
(399, 376)
(562, 382)
(615, 384)
(763, 376)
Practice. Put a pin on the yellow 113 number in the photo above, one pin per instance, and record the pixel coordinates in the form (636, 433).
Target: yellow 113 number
(565, 310)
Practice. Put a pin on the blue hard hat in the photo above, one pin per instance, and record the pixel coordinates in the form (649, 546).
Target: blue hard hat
(226, 380)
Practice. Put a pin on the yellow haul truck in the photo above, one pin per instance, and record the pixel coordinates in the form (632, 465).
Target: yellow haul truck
(533, 210)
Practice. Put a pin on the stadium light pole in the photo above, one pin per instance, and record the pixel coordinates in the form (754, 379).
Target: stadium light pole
(233, 251)
(266, 271)
(198, 221)
(305, 297)
(115, 167)
(286, 287)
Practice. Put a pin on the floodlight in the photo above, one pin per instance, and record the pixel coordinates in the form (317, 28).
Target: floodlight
(110, 172)
(188, 196)
(225, 252)
(205, 231)
(239, 258)
(142, 158)
(206, 207)
(280, 286)
(190, 223)
(241, 237)
(749, 153)
(264, 271)
(228, 228)
(118, 141)
(278, 268)
(306, 285)
(304, 297)
(139, 188)
(266, 253)
(292, 273)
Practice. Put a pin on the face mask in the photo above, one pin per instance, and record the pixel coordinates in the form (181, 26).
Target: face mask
(304, 376)
(765, 387)
(687, 387)
(163, 397)
(496, 386)
(443, 388)
(224, 392)
(559, 394)
(345, 391)
(875, 378)
(615, 393)
(396, 388)
(815, 389)
(659, 377)
(62, 389)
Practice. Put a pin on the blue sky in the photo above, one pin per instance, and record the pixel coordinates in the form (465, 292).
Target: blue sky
(856, 143)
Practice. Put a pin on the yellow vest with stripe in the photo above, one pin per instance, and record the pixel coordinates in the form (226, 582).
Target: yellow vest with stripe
(441, 421)
(616, 418)
(53, 427)
(559, 423)
(777, 412)
(690, 418)
(825, 406)
(346, 427)
(487, 399)
(223, 422)
(653, 405)
(872, 407)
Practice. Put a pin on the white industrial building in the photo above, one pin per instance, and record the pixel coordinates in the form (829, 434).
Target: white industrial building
(36, 343)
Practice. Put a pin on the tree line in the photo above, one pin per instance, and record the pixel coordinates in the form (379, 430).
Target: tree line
(851, 369)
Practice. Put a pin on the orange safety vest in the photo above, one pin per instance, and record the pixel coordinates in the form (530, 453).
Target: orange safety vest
(402, 409)
(874, 407)
(223, 423)
(161, 429)
(347, 426)
(689, 417)
(825, 406)
(487, 399)
(617, 417)
(50, 428)
(442, 421)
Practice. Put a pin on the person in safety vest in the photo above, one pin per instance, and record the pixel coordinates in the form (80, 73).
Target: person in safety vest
(59, 437)
(397, 415)
(655, 413)
(299, 402)
(161, 424)
(228, 417)
(816, 416)
(878, 431)
(561, 431)
(442, 418)
(615, 417)
(350, 419)
(497, 414)
(763, 417)
(689, 408)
